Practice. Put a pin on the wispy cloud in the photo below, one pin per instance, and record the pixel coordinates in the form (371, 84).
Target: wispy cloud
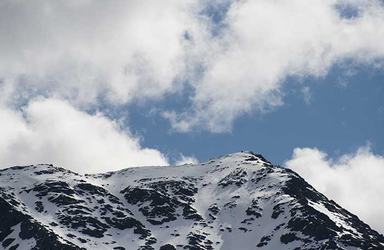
(306, 91)
(186, 160)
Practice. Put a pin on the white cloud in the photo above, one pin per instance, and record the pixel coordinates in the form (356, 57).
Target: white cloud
(355, 181)
(83, 50)
(123, 51)
(53, 131)
(265, 41)
(92, 52)
(186, 160)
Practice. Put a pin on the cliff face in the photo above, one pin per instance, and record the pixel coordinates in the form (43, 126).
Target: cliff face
(238, 201)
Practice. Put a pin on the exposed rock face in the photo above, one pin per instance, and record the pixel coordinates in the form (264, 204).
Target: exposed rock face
(238, 201)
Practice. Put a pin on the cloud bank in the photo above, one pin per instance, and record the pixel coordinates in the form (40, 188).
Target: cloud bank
(53, 131)
(85, 50)
(231, 56)
(263, 42)
(355, 181)
(225, 58)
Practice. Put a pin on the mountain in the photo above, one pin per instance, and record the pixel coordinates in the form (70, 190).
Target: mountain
(238, 201)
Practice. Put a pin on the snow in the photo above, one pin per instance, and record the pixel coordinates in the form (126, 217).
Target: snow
(249, 181)
(23, 244)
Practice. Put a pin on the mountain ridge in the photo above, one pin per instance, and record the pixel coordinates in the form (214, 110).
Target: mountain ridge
(239, 200)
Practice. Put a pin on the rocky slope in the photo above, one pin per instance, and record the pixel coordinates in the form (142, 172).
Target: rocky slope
(238, 201)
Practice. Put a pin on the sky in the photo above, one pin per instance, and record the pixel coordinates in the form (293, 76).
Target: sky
(96, 86)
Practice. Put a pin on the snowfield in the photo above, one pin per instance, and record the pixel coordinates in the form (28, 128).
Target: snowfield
(238, 201)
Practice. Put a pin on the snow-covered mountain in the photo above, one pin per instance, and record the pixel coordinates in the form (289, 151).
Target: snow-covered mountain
(238, 201)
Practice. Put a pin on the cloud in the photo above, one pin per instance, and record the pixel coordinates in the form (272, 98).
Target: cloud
(53, 131)
(231, 57)
(306, 91)
(263, 42)
(186, 160)
(86, 50)
(355, 181)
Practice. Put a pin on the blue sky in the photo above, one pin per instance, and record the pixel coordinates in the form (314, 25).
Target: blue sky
(345, 111)
(150, 83)
(96, 86)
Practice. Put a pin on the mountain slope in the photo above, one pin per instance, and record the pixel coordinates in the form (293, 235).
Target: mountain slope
(238, 201)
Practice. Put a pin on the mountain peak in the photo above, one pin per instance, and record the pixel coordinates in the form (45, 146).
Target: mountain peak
(243, 154)
(237, 201)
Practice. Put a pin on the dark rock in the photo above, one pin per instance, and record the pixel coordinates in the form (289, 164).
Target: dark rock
(167, 247)
(214, 209)
(254, 209)
(7, 242)
(14, 247)
(264, 241)
(236, 177)
(277, 210)
(289, 237)
(45, 239)
(39, 206)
